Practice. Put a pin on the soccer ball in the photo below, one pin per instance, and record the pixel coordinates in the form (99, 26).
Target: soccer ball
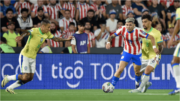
(107, 87)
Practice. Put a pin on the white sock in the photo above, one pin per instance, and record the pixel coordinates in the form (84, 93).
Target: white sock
(137, 83)
(11, 77)
(15, 85)
(145, 79)
(176, 70)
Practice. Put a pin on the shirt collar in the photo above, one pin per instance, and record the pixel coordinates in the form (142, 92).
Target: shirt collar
(149, 30)
(131, 31)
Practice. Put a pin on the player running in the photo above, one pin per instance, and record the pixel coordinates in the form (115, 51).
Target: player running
(176, 59)
(36, 37)
(132, 50)
(150, 59)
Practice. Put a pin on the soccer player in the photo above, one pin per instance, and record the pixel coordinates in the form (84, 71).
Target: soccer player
(176, 59)
(36, 38)
(132, 50)
(150, 59)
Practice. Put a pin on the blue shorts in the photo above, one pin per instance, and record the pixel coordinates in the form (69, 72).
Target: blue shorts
(135, 58)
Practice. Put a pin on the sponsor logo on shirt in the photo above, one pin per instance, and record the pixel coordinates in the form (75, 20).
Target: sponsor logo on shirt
(82, 43)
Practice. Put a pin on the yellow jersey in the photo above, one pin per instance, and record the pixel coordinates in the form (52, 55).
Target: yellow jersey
(147, 47)
(178, 14)
(34, 42)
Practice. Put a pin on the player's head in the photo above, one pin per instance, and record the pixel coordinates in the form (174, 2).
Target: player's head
(130, 24)
(40, 12)
(147, 21)
(53, 2)
(87, 25)
(72, 26)
(170, 28)
(3, 40)
(24, 12)
(81, 26)
(9, 13)
(53, 27)
(120, 23)
(45, 26)
(67, 14)
(11, 25)
(176, 3)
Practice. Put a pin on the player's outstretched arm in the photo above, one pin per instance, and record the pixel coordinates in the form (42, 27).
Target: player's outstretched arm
(19, 38)
(176, 30)
(108, 45)
(61, 39)
(153, 43)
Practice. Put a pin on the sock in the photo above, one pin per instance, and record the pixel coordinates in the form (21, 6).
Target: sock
(12, 77)
(145, 79)
(15, 85)
(176, 70)
(137, 79)
(114, 80)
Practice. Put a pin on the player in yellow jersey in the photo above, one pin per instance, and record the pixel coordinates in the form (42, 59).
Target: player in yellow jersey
(176, 57)
(149, 58)
(28, 54)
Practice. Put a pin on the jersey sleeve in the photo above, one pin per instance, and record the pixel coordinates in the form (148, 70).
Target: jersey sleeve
(159, 38)
(178, 14)
(32, 31)
(143, 34)
(50, 36)
(119, 31)
(73, 41)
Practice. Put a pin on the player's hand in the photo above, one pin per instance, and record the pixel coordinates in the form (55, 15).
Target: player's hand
(70, 38)
(156, 50)
(108, 45)
(157, 60)
(19, 38)
(170, 43)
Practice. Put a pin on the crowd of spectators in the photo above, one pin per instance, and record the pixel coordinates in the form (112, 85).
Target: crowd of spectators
(101, 17)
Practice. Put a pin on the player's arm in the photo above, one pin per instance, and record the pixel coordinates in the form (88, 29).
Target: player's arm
(57, 39)
(108, 45)
(19, 38)
(153, 43)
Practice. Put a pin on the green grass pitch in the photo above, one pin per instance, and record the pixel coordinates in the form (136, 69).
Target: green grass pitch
(87, 95)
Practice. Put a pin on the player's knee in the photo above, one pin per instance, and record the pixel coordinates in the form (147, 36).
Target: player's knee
(137, 74)
(25, 77)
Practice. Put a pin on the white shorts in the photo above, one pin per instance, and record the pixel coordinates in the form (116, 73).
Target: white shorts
(177, 51)
(150, 62)
(27, 65)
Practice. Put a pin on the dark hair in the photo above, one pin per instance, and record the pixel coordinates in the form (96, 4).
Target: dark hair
(91, 10)
(24, 10)
(71, 24)
(45, 22)
(102, 22)
(9, 9)
(39, 9)
(53, 23)
(87, 22)
(121, 21)
(147, 16)
(10, 23)
(3, 40)
(81, 23)
(45, 41)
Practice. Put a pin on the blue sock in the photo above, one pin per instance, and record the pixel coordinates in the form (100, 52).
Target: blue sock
(17, 76)
(114, 80)
(137, 78)
(20, 82)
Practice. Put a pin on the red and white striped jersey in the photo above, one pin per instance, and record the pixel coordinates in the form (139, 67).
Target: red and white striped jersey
(168, 37)
(91, 37)
(67, 33)
(83, 8)
(53, 11)
(65, 23)
(54, 43)
(21, 6)
(132, 40)
(95, 7)
(71, 7)
(117, 41)
(36, 8)
(126, 9)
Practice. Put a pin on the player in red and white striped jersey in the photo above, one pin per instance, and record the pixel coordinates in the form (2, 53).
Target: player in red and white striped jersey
(56, 33)
(36, 6)
(53, 9)
(64, 22)
(127, 7)
(118, 41)
(22, 4)
(91, 37)
(133, 48)
(82, 9)
(69, 32)
(98, 8)
(70, 6)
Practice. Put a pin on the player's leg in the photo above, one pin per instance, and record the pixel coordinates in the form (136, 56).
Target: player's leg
(125, 58)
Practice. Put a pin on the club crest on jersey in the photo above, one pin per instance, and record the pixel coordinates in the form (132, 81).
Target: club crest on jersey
(41, 39)
(25, 67)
